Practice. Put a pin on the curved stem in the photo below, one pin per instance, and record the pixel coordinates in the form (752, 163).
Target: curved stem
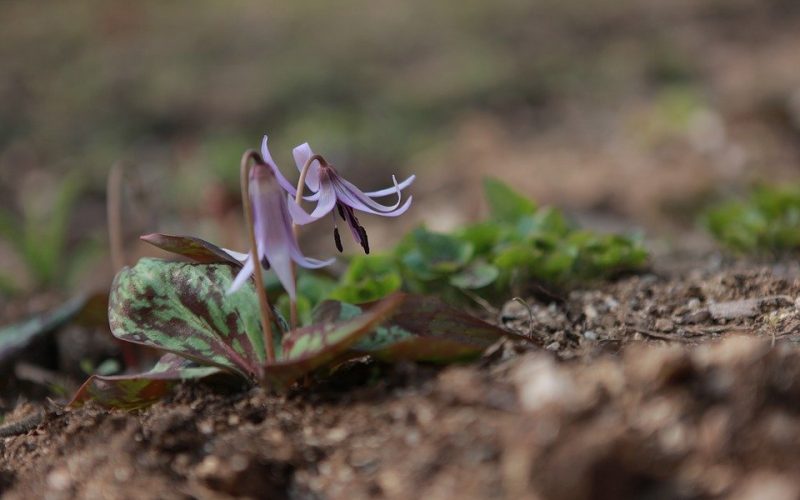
(117, 244)
(298, 197)
(263, 302)
(304, 173)
(114, 215)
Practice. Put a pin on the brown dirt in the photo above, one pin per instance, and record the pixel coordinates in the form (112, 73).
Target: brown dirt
(665, 385)
(681, 383)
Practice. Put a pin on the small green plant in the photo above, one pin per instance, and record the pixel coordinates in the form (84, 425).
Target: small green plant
(39, 237)
(767, 221)
(519, 243)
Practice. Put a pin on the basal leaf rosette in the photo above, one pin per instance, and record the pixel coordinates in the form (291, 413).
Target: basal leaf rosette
(182, 308)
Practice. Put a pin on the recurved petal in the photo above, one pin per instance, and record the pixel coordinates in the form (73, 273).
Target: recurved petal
(327, 197)
(324, 207)
(358, 205)
(299, 216)
(312, 196)
(326, 202)
(285, 184)
(242, 277)
(391, 190)
(241, 257)
(301, 155)
(350, 195)
(308, 262)
(280, 245)
(277, 243)
(345, 187)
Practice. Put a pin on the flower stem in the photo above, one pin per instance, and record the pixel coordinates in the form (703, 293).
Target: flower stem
(263, 301)
(297, 199)
(117, 244)
(114, 214)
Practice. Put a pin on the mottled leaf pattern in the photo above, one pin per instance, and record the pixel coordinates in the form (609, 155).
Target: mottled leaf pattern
(183, 308)
(190, 247)
(423, 328)
(142, 389)
(309, 348)
(14, 338)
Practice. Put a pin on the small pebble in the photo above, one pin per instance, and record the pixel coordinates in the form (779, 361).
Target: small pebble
(664, 325)
(59, 479)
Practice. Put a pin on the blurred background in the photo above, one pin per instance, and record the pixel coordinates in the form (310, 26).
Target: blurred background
(624, 113)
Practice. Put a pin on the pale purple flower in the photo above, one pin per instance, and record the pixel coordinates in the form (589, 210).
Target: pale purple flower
(285, 184)
(276, 243)
(329, 190)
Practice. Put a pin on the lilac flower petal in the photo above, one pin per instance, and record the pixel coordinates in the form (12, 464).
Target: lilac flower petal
(391, 190)
(274, 234)
(345, 186)
(298, 215)
(241, 257)
(327, 200)
(327, 196)
(350, 199)
(294, 248)
(301, 155)
(242, 277)
(277, 241)
(324, 206)
(312, 196)
(356, 204)
(285, 184)
(309, 262)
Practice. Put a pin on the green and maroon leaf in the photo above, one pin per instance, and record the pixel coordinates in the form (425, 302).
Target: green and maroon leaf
(138, 390)
(306, 349)
(190, 247)
(183, 308)
(423, 328)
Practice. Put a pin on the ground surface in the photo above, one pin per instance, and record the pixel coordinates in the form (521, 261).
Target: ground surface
(682, 382)
(672, 384)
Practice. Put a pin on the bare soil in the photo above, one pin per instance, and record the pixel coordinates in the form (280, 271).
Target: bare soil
(672, 384)
(683, 382)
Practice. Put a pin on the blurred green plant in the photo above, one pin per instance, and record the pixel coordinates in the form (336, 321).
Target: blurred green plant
(767, 221)
(311, 290)
(519, 243)
(39, 237)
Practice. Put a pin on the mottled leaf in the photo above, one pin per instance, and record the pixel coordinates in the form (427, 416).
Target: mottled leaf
(309, 348)
(422, 329)
(190, 247)
(183, 308)
(14, 338)
(138, 390)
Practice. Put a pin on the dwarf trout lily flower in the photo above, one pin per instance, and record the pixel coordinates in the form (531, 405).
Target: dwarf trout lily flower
(330, 190)
(276, 243)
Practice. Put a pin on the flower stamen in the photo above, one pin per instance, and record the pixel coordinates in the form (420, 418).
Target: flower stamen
(337, 239)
